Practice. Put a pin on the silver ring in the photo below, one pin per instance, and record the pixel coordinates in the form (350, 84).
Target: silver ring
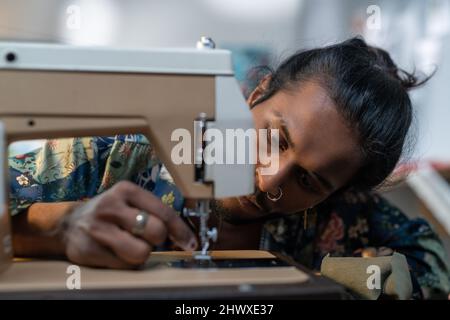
(140, 224)
(275, 198)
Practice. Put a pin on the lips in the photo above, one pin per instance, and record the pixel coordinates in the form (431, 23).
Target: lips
(253, 201)
(248, 204)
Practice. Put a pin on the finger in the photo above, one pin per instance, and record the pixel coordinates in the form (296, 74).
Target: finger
(384, 251)
(178, 231)
(104, 258)
(126, 247)
(155, 231)
(90, 253)
(369, 252)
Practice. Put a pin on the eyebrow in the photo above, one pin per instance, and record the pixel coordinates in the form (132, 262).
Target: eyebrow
(284, 129)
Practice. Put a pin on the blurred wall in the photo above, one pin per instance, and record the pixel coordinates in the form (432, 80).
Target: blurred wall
(168, 23)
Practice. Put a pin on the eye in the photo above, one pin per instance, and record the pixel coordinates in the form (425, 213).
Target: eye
(305, 181)
(282, 144)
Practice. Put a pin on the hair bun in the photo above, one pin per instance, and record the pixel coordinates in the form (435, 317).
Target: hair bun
(383, 61)
(408, 80)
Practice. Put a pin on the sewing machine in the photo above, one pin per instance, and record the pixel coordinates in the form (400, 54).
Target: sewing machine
(56, 91)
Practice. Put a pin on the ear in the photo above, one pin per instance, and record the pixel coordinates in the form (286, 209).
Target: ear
(259, 90)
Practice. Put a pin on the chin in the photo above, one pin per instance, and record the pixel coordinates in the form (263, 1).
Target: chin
(235, 211)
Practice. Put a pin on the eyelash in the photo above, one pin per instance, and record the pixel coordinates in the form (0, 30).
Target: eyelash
(282, 143)
(309, 186)
(283, 147)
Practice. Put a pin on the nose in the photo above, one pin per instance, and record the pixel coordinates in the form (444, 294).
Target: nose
(271, 182)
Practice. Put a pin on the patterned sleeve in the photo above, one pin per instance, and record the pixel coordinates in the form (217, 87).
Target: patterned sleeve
(417, 241)
(80, 168)
(62, 170)
(167, 191)
(349, 223)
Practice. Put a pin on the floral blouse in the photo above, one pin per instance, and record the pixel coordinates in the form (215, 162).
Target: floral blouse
(80, 168)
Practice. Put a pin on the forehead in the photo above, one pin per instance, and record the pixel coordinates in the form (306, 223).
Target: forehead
(323, 140)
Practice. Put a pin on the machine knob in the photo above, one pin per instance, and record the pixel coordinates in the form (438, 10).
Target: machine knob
(206, 43)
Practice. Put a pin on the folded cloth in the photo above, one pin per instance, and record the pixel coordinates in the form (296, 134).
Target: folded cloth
(371, 278)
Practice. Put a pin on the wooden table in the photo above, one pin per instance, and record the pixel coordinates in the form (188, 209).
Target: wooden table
(45, 279)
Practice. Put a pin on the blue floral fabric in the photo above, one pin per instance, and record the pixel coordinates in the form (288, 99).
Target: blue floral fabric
(80, 168)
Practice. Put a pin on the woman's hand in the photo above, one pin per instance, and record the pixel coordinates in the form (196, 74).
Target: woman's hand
(99, 232)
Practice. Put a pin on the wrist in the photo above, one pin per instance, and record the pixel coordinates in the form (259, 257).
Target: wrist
(66, 221)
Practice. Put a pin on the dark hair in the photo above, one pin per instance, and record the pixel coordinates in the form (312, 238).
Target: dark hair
(370, 92)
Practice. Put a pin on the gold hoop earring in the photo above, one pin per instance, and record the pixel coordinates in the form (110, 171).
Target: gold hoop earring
(305, 218)
(310, 210)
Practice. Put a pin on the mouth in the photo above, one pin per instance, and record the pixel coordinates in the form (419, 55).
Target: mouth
(249, 204)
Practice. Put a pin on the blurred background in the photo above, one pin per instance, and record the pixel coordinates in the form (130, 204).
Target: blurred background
(415, 32)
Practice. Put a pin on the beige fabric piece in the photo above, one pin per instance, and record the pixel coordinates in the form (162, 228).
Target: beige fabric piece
(360, 275)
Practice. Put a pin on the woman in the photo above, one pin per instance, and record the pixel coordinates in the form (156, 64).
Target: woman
(343, 113)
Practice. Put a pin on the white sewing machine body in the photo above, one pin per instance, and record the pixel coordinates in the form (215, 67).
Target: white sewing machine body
(56, 91)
